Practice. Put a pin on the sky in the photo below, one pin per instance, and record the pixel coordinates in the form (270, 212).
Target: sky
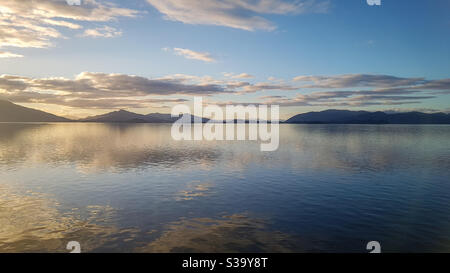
(148, 55)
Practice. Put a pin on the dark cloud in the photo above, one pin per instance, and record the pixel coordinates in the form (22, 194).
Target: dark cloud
(357, 80)
(100, 90)
(350, 98)
(112, 91)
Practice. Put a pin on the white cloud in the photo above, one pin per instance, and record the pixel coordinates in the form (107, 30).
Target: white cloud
(240, 14)
(34, 24)
(9, 55)
(194, 55)
(102, 32)
(238, 76)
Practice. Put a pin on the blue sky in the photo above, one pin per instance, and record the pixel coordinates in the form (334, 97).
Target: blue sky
(266, 39)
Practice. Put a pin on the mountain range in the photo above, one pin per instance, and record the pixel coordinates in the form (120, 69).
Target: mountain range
(10, 112)
(364, 117)
(125, 116)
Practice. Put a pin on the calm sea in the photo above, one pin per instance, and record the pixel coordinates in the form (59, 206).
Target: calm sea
(131, 188)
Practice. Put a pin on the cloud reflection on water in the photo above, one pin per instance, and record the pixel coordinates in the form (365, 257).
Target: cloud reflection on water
(194, 189)
(228, 234)
(31, 222)
(98, 147)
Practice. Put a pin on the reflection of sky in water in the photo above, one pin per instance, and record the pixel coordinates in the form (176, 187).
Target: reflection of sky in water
(132, 188)
(31, 222)
(194, 189)
(224, 235)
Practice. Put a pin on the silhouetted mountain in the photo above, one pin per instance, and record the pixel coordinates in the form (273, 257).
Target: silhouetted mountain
(116, 116)
(420, 118)
(160, 118)
(123, 116)
(328, 116)
(10, 112)
(363, 117)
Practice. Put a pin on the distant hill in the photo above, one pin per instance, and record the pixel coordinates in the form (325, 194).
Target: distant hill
(10, 112)
(157, 117)
(328, 116)
(116, 116)
(363, 117)
(123, 116)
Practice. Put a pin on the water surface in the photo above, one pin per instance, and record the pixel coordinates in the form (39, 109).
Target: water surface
(131, 188)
